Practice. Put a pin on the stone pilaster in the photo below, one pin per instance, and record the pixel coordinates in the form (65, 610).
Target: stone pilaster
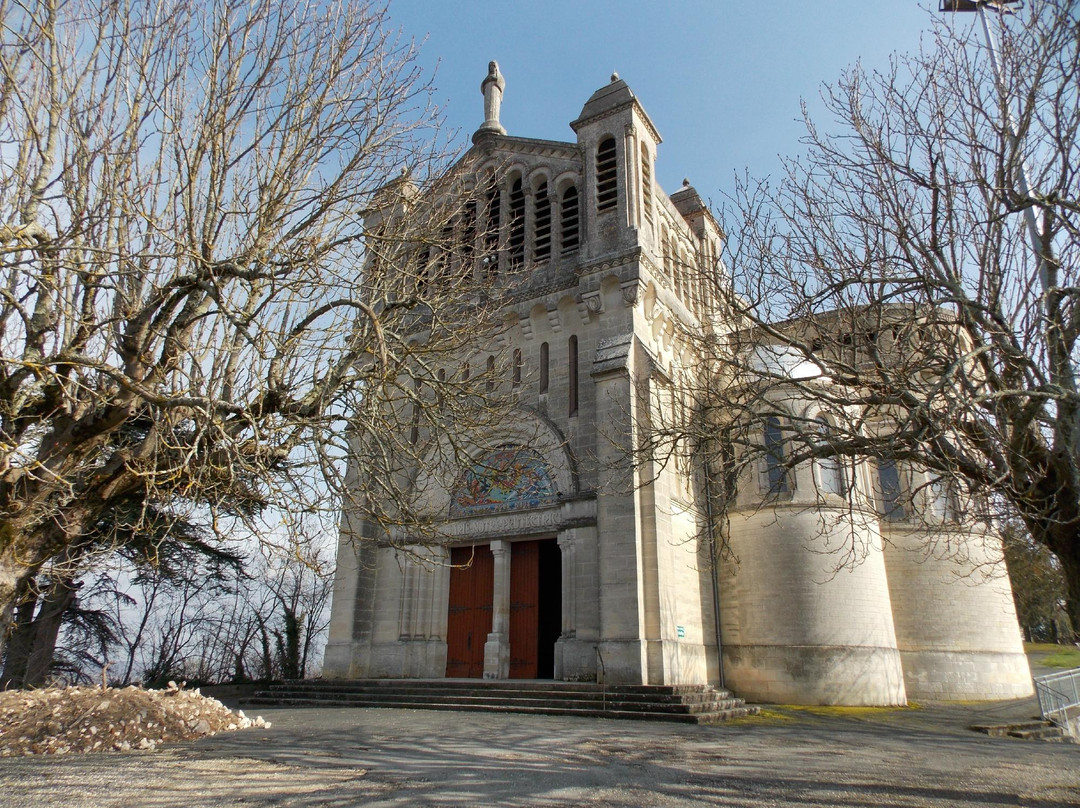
(569, 599)
(497, 647)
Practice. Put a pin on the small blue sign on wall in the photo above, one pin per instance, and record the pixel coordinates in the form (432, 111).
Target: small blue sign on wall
(680, 631)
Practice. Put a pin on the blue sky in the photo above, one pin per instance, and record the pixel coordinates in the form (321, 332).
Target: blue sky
(722, 81)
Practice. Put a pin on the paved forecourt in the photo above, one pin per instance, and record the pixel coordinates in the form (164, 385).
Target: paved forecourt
(388, 757)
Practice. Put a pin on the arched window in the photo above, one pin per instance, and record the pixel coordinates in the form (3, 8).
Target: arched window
(774, 477)
(607, 176)
(707, 276)
(831, 478)
(490, 372)
(442, 257)
(423, 269)
(944, 504)
(517, 224)
(516, 380)
(890, 490)
(441, 392)
(646, 183)
(572, 380)
(468, 237)
(542, 228)
(569, 222)
(491, 232)
(414, 430)
(678, 270)
(543, 368)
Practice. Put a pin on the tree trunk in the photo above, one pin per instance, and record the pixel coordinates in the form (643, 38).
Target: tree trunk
(267, 656)
(22, 639)
(1069, 556)
(13, 580)
(58, 597)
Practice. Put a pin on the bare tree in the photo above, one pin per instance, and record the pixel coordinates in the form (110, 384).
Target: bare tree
(189, 312)
(888, 284)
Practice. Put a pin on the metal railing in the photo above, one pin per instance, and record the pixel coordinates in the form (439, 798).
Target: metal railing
(1059, 697)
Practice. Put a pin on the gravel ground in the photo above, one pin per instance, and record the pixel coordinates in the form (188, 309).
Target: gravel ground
(788, 757)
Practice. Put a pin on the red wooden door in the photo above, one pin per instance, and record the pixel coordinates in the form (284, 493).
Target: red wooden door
(468, 623)
(524, 608)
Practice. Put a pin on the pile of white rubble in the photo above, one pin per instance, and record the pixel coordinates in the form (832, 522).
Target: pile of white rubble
(93, 719)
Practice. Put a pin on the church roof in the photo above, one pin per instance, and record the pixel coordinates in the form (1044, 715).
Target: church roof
(612, 96)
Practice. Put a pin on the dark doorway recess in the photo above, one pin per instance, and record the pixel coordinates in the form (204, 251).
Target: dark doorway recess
(468, 623)
(535, 608)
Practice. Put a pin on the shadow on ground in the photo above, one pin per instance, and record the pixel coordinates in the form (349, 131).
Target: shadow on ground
(792, 757)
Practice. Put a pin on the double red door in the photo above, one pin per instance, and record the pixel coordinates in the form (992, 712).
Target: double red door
(524, 608)
(472, 576)
(534, 609)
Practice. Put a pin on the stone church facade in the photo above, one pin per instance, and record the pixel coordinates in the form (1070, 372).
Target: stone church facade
(570, 562)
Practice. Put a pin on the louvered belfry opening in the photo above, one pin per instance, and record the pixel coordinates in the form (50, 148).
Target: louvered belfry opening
(646, 184)
(570, 227)
(542, 230)
(607, 182)
(517, 224)
(468, 237)
(491, 232)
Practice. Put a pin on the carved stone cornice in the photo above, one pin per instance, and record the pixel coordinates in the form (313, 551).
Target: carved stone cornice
(575, 513)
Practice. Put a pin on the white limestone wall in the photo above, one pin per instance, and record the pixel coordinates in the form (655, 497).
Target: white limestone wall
(622, 642)
(408, 617)
(575, 656)
(337, 659)
(682, 648)
(800, 626)
(956, 624)
(687, 634)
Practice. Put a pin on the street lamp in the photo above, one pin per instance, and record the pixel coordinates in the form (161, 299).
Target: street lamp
(1004, 7)
(975, 5)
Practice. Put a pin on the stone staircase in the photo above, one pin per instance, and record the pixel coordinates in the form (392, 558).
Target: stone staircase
(691, 704)
(1036, 730)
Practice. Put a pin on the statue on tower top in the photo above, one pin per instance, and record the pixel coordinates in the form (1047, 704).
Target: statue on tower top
(492, 88)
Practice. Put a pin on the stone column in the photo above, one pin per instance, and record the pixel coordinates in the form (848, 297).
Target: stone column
(630, 161)
(569, 584)
(497, 647)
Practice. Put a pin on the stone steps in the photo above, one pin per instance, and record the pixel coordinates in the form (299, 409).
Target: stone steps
(697, 704)
(1037, 730)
